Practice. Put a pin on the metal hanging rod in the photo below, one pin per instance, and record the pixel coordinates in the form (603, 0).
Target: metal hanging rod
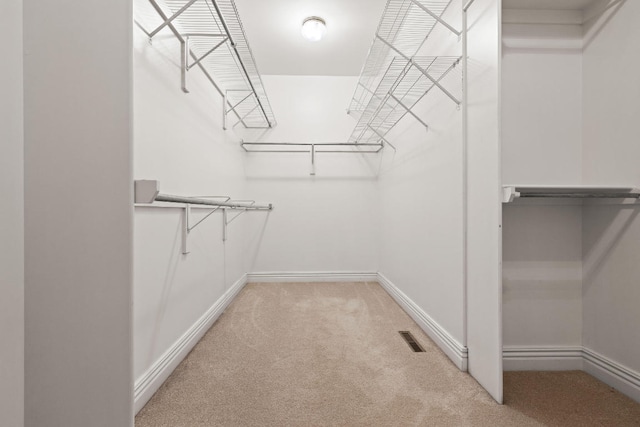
(211, 33)
(311, 148)
(510, 193)
(274, 147)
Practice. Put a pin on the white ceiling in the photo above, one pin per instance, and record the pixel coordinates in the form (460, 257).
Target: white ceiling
(273, 31)
(547, 4)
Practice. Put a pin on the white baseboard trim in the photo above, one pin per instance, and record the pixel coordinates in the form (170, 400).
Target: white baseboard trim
(452, 348)
(609, 372)
(311, 276)
(149, 382)
(542, 358)
(580, 358)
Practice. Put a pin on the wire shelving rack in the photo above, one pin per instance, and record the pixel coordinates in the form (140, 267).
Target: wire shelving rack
(212, 38)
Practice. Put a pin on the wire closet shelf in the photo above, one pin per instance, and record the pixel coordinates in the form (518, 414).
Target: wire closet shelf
(394, 79)
(212, 38)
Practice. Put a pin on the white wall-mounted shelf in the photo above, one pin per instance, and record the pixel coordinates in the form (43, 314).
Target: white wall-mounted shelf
(513, 192)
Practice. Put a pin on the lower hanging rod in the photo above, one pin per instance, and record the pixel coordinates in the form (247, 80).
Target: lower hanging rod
(581, 195)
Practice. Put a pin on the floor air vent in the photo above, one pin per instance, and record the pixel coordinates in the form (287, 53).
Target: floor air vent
(408, 337)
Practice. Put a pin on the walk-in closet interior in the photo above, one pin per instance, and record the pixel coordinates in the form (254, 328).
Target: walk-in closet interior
(475, 158)
(570, 232)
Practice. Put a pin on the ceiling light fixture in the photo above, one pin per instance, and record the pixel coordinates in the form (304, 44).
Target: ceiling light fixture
(314, 28)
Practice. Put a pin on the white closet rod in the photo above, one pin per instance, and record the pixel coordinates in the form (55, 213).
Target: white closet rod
(309, 147)
(510, 193)
(582, 195)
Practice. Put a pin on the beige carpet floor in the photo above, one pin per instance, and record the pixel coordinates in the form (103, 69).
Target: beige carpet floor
(329, 354)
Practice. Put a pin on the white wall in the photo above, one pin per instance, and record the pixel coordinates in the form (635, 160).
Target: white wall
(11, 218)
(541, 114)
(542, 276)
(542, 145)
(321, 223)
(78, 213)
(420, 197)
(179, 141)
(611, 245)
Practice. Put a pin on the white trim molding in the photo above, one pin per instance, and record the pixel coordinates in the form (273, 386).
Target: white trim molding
(579, 358)
(612, 373)
(554, 358)
(311, 276)
(149, 382)
(449, 345)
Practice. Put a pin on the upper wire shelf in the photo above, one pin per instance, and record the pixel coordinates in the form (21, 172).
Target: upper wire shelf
(213, 39)
(403, 30)
(402, 86)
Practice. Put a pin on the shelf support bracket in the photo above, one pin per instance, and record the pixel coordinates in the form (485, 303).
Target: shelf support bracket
(171, 18)
(238, 104)
(185, 229)
(197, 61)
(188, 228)
(184, 55)
(247, 115)
(224, 225)
(419, 68)
(382, 137)
(408, 110)
(436, 17)
(225, 101)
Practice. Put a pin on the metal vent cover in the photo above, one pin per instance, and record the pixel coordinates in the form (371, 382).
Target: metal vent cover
(411, 341)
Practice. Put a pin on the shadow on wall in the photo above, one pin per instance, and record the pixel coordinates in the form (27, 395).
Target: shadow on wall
(601, 7)
(172, 267)
(255, 239)
(604, 227)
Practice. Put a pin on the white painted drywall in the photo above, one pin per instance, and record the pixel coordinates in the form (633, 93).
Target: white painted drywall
(541, 115)
(11, 218)
(611, 247)
(179, 141)
(421, 197)
(325, 222)
(542, 144)
(78, 213)
(484, 289)
(542, 275)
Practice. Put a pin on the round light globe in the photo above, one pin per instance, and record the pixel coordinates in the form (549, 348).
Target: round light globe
(314, 28)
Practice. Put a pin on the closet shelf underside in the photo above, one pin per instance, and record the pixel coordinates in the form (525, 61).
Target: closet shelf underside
(512, 192)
